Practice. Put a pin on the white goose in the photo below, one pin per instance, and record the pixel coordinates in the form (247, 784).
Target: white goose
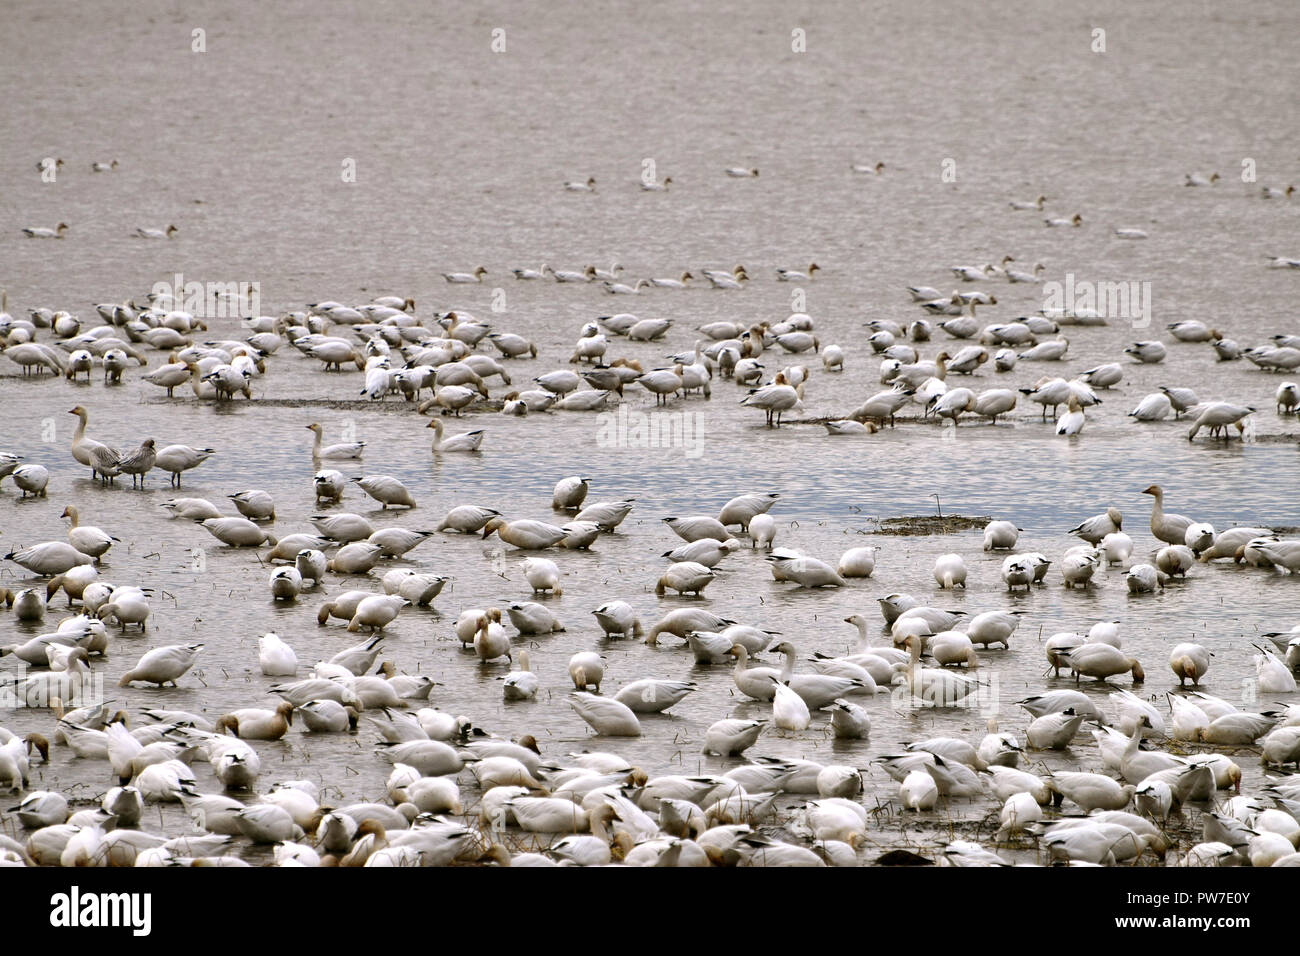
(463, 442)
(339, 452)
(606, 716)
(162, 665)
(85, 538)
(521, 684)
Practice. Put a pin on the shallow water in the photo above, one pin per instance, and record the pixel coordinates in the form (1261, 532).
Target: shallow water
(460, 154)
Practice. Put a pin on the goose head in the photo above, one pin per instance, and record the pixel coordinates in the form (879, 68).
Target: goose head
(37, 742)
(227, 722)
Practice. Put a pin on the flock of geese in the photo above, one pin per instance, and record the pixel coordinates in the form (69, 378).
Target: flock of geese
(1167, 788)
(459, 793)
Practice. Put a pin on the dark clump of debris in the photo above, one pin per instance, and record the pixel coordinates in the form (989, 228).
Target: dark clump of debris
(930, 524)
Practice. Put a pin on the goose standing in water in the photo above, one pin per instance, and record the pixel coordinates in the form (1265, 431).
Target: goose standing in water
(139, 462)
(606, 716)
(340, 452)
(463, 442)
(490, 638)
(950, 571)
(542, 575)
(775, 400)
(176, 459)
(84, 449)
(162, 665)
(1170, 528)
(1071, 423)
(85, 538)
(789, 712)
(525, 535)
(386, 490)
(1217, 416)
(523, 683)
(1099, 660)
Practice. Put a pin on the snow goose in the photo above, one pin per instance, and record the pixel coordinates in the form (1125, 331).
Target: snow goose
(1022, 206)
(570, 493)
(1148, 353)
(529, 617)
(670, 283)
(1072, 421)
(651, 696)
(521, 684)
(467, 519)
(934, 688)
(993, 627)
(338, 452)
(744, 508)
(143, 233)
(684, 577)
(950, 571)
(1217, 416)
(463, 442)
(86, 539)
(49, 558)
(789, 711)
(44, 232)
(254, 504)
(1239, 729)
(1153, 408)
(994, 402)
(1272, 675)
(83, 448)
(526, 535)
(257, 723)
(857, 563)
(237, 532)
(1092, 791)
(1170, 528)
(918, 791)
(1015, 275)
(1053, 731)
(622, 288)
(606, 716)
(1175, 560)
(1000, 536)
(162, 665)
(463, 278)
(386, 490)
(1287, 398)
(805, 571)
(618, 619)
(275, 657)
(376, 612)
(329, 485)
(794, 275)
(1101, 660)
(176, 459)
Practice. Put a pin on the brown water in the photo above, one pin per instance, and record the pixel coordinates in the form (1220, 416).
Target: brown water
(459, 155)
